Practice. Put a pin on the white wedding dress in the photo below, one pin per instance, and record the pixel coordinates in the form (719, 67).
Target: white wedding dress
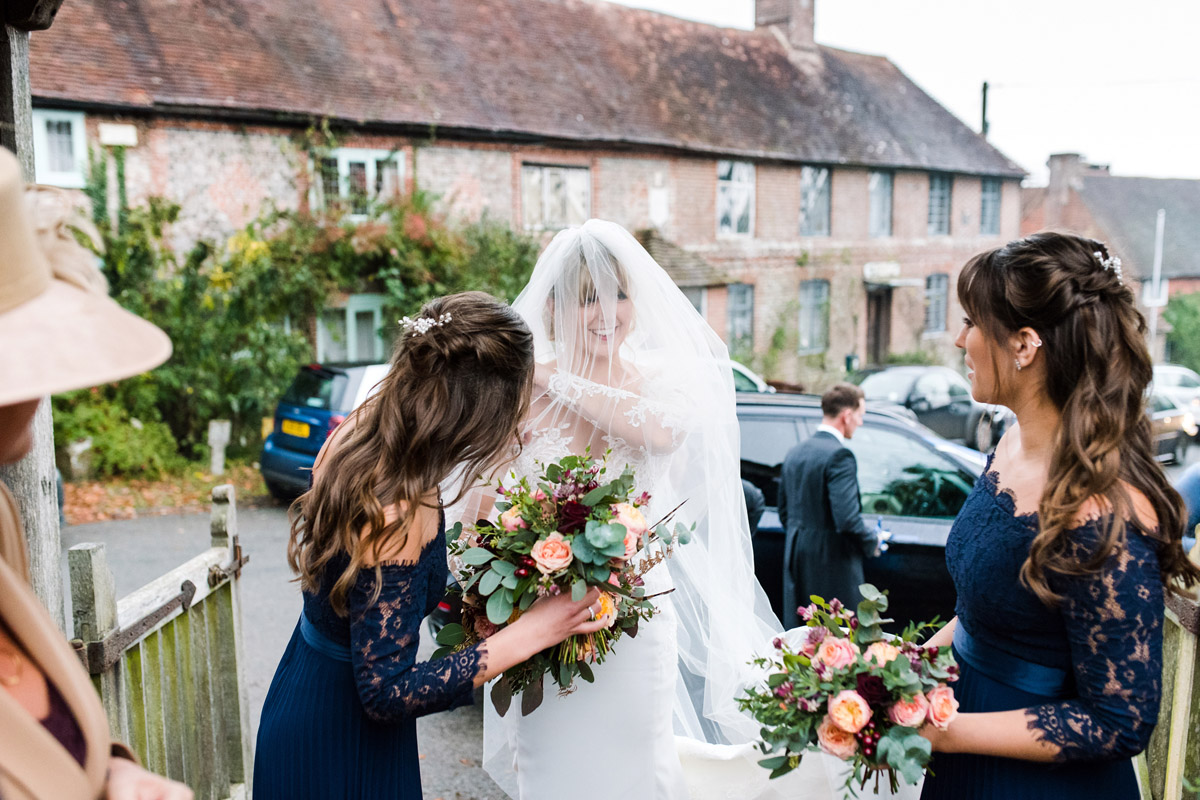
(661, 720)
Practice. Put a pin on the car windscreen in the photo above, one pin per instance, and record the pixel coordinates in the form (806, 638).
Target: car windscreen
(890, 386)
(318, 389)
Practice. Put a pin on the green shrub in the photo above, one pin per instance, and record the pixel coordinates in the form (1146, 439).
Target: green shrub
(1183, 341)
(122, 445)
(920, 358)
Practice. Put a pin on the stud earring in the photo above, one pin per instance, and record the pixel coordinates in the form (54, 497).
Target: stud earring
(1017, 361)
(1037, 342)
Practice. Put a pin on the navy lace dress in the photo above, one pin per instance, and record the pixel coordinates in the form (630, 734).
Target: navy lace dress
(1088, 670)
(339, 721)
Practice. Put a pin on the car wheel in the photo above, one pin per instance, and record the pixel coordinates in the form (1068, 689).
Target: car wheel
(1179, 454)
(984, 434)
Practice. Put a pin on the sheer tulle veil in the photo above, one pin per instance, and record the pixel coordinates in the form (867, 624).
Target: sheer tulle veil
(595, 288)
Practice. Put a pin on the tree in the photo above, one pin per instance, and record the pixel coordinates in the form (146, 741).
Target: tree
(1183, 342)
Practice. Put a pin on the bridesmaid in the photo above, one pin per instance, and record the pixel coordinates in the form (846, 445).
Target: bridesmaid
(368, 545)
(1063, 552)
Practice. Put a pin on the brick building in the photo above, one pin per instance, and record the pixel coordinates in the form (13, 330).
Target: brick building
(814, 203)
(1123, 213)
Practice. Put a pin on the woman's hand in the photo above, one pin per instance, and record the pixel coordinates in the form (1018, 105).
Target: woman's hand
(128, 781)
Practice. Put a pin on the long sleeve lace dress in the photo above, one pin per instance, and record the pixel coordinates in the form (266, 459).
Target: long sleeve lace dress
(339, 721)
(1088, 671)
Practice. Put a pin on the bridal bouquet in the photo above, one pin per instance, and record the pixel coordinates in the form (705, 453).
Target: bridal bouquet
(839, 684)
(574, 528)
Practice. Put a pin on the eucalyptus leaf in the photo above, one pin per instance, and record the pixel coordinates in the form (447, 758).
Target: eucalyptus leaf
(510, 582)
(585, 672)
(451, 635)
(499, 607)
(683, 533)
(531, 697)
(775, 762)
(602, 534)
(502, 695)
(584, 551)
(578, 590)
(453, 532)
(477, 556)
(503, 567)
(553, 473)
(490, 582)
(599, 493)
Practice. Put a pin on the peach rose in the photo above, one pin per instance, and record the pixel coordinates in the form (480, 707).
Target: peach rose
(943, 708)
(837, 653)
(552, 553)
(909, 714)
(607, 609)
(835, 741)
(630, 517)
(880, 653)
(849, 711)
(511, 520)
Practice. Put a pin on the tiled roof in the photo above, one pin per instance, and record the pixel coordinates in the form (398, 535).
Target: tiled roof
(565, 70)
(1127, 210)
(685, 268)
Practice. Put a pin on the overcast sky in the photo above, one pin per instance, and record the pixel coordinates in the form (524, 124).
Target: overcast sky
(1115, 80)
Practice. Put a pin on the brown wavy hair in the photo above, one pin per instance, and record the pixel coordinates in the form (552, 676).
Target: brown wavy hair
(453, 398)
(1097, 372)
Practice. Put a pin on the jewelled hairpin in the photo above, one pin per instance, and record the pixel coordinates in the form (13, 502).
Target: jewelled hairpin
(421, 325)
(1111, 263)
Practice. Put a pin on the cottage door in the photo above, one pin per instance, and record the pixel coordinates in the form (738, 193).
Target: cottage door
(879, 323)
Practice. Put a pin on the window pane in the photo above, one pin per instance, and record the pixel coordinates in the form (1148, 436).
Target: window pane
(364, 336)
(577, 200)
(935, 303)
(989, 212)
(387, 179)
(814, 316)
(555, 197)
(735, 196)
(741, 318)
(880, 186)
(330, 187)
(814, 201)
(331, 335)
(531, 198)
(939, 205)
(695, 296)
(60, 146)
(902, 476)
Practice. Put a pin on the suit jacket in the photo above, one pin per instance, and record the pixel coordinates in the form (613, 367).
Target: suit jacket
(825, 537)
(33, 765)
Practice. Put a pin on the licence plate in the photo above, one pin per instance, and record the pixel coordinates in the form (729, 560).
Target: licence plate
(297, 429)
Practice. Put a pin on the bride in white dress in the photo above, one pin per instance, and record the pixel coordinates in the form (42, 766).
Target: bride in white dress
(625, 364)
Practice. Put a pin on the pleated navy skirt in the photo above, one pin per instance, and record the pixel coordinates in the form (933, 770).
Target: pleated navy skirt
(959, 776)
(316, 743)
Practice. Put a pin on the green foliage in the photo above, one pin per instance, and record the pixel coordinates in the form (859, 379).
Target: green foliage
(121, 444)
(1183, 341)
(914, 357)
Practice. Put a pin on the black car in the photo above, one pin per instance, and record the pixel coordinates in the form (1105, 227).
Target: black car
(912, 481)
(941, 400)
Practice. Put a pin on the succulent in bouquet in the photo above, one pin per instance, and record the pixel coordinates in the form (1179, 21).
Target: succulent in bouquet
(571, 528)
(840, 685)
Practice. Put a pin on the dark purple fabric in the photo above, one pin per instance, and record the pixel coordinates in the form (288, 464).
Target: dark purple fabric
(62, 725)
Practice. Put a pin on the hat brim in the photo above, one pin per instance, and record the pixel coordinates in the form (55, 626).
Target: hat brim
(66, 338)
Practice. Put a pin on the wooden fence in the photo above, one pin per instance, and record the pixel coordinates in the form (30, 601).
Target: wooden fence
(167, 659)
(1174, 751)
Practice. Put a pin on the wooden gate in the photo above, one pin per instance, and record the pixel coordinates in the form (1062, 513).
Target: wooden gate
(1174, 752)
(167, 659)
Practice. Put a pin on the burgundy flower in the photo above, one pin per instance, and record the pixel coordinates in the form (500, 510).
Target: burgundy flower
(572, 517)
(872, 690)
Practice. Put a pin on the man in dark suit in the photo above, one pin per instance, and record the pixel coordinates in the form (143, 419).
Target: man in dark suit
(821, 512)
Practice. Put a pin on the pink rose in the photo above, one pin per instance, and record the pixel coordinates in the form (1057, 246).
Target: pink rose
(635, 527)
(552, 553)
(835, 741)
(837, 653)
(880, 653)
(849, 711)
(511, 520)
(943, 708)
(539, 495)
(911, 714)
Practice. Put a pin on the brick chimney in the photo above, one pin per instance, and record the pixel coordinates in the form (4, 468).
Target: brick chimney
(1067, 171)
(794, 19)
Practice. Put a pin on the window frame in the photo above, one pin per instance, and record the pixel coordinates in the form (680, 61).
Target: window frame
(931, 293)
(810, 183)
(701, 294)
(543, 169)
(873, 230)
(345, 156)
(744, 306)
(997, 190)
(821, 316)
(75, 179)
(355, 304)
(938, 222)
(732, 186)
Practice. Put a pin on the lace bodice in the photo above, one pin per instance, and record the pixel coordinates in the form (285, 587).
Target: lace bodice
(1107, 630)
(383, 635)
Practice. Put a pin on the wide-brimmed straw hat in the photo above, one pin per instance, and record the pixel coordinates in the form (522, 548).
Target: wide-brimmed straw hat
(59, 330)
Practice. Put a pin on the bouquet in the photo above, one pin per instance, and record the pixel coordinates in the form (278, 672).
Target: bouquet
(841, 685)
(574, 528)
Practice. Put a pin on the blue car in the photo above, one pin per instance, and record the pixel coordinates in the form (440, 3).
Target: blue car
(319, 399)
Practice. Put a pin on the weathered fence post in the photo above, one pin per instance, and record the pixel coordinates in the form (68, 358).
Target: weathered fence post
(94, 610)
(229, 658)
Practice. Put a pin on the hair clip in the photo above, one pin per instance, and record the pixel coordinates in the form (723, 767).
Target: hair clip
(420, 325)
(1111, 263)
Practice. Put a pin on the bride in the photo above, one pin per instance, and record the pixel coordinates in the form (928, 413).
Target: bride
(625, 364)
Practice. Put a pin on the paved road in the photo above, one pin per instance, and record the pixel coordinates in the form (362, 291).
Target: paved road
(140, 550)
